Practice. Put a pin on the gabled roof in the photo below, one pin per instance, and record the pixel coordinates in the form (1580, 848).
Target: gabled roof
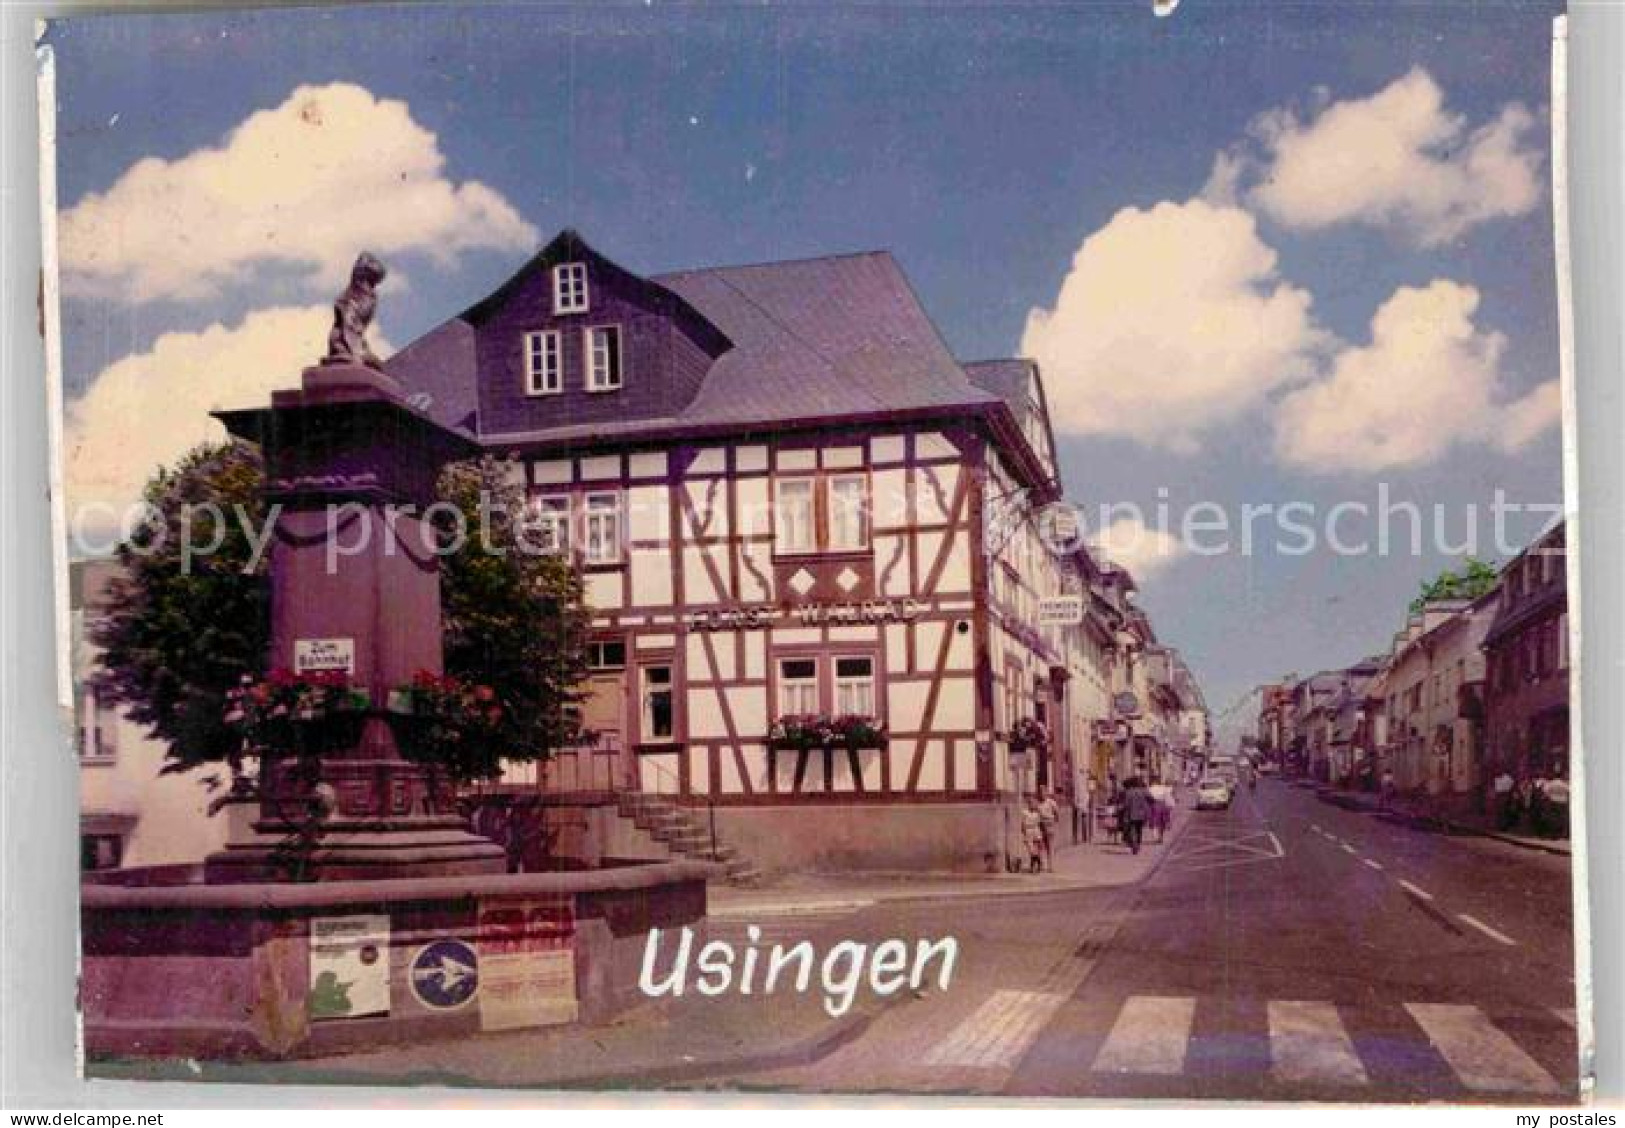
(803, 342)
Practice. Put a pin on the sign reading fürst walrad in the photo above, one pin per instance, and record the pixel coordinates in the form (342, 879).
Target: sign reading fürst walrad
(749, 587)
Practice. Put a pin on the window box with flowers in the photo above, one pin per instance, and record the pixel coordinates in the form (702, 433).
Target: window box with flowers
(808, 731)
(1028, 735)
(457, 727)
(310, 714)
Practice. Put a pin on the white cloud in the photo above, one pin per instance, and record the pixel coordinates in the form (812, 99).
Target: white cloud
(1130, 543)
(1429, 379)
(147, 409)
(307, 185)
(1398, 159)
(1171, 321)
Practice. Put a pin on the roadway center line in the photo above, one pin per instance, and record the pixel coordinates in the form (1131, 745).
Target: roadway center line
(1417, 890)
(1347, 849)
(1372, 864)
(1502, 937)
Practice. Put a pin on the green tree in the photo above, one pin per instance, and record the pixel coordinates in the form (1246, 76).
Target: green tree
(1473, 579)
(179, 631)
(180, 627)
(515, 619)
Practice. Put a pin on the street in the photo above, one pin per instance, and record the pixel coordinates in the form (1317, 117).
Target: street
(1282, 950)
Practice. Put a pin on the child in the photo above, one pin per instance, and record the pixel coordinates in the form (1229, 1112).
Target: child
(1032, 833)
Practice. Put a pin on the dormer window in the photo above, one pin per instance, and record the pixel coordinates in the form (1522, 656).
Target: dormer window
(544, 363)
(603, 358)
(570, 287)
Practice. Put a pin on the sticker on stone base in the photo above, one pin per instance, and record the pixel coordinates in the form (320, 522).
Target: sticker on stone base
(349, 966)
(445, 975)
(527, 964)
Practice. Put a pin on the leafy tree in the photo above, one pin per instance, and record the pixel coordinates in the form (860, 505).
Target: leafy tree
(515, 619)
(180, 632)
(1473, 579)
(181, 628)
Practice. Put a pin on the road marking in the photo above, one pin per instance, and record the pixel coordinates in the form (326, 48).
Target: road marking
(790, 908)
(1487, 930)
(1149, 1036)
(999, 1031)
(1482, 1055)
(1316, 829)
(1565, 1015)
(1347, 849)
(1308, 1043)
(1417, 890)
(1372, 864)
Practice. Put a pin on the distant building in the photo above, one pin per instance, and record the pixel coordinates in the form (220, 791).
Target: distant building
(130, 814)
(1526, 649)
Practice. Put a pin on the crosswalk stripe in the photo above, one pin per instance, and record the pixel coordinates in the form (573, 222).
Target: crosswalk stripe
(1149, 1036)
(1308, 1043)
(999, 1031)
(1483, 1056)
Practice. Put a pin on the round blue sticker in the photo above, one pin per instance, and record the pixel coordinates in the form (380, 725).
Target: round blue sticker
(445, 974)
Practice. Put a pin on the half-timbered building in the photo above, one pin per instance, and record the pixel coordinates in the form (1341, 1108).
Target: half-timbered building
(802, 524)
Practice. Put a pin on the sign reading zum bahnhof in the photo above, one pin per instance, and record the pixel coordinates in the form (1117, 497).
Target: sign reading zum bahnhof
(763, 615)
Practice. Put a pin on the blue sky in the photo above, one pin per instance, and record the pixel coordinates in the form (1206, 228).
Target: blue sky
(981, 145)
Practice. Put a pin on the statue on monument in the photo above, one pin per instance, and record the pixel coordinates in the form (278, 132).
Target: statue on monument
(353, 313)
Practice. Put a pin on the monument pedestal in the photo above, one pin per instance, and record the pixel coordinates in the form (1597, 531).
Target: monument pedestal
(355, 592)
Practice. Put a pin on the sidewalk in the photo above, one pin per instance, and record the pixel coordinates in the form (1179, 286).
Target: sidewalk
(1426, 813)
(1096, 865)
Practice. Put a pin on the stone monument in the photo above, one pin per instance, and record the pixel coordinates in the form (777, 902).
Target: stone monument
(355, 589)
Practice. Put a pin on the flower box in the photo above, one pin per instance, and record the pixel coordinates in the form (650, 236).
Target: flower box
(809, 731)
(312, 714)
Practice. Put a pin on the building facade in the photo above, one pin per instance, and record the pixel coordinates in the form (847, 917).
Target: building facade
(1526, 655)
(131, 813)
(792, 506)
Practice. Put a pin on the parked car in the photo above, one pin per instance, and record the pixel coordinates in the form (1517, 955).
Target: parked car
(1213, 793)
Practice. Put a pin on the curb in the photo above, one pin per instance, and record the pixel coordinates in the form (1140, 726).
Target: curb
(1437, 825)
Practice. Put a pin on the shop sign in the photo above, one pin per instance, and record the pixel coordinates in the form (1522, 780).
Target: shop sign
(1060, 611)
(864, 611)
(349, 966)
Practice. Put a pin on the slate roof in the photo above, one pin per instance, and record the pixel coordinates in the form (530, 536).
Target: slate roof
(812, 339)
(844, 335)
(1006, 379)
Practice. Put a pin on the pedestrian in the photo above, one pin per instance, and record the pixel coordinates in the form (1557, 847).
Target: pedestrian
(1538, 815)
(1557, 804)
(1090, 787)
(1162, 808)
(1133, 809)
(1385, 798)
(1032, 835)
(1506, 800)
(1049, 814)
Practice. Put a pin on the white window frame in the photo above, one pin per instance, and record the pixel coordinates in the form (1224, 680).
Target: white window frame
(589, 350)
(781, 543)
(867, 684)
(544, 363)
(550, 517)
(802, 687)
(834, 508)
(597, 546)
(570, 288)
(647, 688)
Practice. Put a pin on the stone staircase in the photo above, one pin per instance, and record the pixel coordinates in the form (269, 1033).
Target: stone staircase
(685, 832)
